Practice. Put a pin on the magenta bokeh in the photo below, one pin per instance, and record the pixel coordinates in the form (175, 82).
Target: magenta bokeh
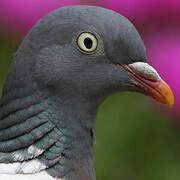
(163, 49)
(18, 16)
(142, 9)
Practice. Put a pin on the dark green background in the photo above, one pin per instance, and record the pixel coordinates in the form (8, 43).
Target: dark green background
(135, 139)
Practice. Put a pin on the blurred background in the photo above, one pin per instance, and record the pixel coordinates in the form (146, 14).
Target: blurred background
(136, 138)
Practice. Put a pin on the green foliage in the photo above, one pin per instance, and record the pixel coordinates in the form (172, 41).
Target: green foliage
(135, 141)
(7, 50)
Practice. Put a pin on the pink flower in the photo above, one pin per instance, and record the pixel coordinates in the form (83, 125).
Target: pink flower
(19, 16)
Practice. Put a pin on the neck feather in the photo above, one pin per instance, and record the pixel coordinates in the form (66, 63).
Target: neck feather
(56, 132)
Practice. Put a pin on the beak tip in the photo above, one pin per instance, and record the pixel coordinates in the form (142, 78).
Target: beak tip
(171, 101)
(166, 94)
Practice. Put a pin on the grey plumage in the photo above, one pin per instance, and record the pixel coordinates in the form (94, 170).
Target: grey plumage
(53, 90)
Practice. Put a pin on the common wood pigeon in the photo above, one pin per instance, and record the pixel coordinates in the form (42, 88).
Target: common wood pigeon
(66, 66)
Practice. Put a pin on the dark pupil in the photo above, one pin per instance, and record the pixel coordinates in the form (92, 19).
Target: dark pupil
(88, 43)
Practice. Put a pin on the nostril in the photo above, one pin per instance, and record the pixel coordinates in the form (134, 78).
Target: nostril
(145, 70)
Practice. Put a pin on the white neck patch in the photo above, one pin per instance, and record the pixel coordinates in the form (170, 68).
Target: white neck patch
(26, 167)
(38, 176)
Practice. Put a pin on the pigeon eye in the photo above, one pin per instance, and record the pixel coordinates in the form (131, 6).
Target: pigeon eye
(87, 42)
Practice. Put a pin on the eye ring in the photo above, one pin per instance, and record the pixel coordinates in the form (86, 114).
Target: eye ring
(87, 42)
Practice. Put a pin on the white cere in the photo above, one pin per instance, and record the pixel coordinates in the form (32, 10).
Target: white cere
(145, 70)
(87, 42)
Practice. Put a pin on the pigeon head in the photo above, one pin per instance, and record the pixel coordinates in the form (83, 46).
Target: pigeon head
(82, 49)
(66, 66)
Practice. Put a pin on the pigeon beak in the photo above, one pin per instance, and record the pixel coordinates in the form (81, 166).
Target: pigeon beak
(147, 79)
